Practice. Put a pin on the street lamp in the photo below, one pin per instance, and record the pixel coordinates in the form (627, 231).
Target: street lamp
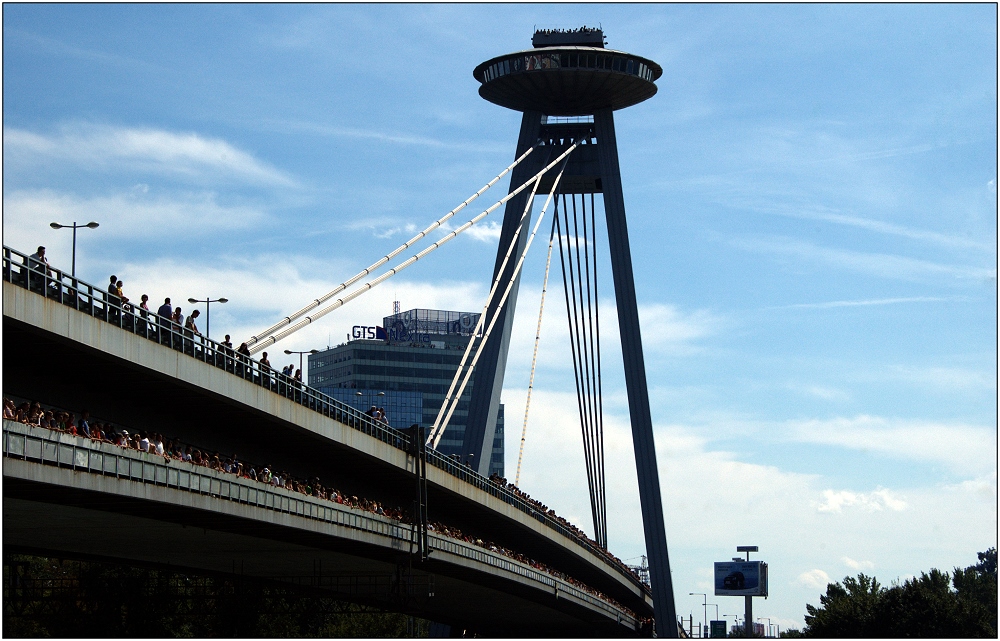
(705, 605)
(308, 351)
(768, 623)
(208, 305)
(716, 610)
(74, 226)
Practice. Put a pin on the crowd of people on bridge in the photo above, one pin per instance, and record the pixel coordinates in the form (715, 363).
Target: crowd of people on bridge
(538, 505)
(173, 449)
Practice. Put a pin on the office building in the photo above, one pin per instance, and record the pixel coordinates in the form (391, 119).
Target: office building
(406, 366)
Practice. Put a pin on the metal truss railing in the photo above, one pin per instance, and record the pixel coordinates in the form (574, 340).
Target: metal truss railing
(23, 271)
(49, 447)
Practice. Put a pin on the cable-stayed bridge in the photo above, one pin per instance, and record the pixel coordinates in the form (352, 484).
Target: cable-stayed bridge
(515, 568)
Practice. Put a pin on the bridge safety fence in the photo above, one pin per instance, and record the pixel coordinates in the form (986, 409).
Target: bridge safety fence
(24, 271)
(80, 454)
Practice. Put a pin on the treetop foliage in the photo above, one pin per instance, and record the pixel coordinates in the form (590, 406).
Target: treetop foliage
(935, 604)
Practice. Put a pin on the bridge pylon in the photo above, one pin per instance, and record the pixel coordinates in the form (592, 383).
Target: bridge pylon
(567, 88)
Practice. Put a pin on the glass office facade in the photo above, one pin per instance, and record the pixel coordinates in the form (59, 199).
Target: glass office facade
(418, 360)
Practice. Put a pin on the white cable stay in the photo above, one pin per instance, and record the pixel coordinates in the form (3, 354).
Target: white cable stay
(482, 317)
(534, 356)
(274, 338)
(437, 431)
(287, 320)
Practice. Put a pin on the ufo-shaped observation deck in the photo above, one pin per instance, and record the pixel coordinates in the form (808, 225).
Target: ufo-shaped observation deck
(567, 80)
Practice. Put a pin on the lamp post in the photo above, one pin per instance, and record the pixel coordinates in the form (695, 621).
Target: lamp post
(768, 624)
(308, 351)
(736, 618)
(716, 614)
(208, 306)
(74, 226)
(705, 606)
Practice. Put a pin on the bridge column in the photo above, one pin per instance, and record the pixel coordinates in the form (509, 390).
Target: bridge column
(635, 378)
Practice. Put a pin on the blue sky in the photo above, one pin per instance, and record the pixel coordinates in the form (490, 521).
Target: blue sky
(811, 199)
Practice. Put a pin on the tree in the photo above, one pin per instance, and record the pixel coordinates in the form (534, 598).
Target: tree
(847, 610)
(935, 604)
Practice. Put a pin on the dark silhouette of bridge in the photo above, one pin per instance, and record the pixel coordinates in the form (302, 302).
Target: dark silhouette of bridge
(69, 344)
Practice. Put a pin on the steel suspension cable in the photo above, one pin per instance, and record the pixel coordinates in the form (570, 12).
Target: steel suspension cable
(592, 378)
(590, 373)
(270, 340)
(600, 394)
(595, 372)
(503, 299)
(534, 353)
(565, 257)
(581, 330)
(347, 283)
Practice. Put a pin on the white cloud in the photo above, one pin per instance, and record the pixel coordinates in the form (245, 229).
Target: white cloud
(486, 232)
(99, 147)
(815, 579)
(875, 501)
(857, 565)
(965, 448)
(665, 326)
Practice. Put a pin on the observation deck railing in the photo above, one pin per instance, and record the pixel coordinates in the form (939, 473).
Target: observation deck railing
(24, 271)
(49, 447)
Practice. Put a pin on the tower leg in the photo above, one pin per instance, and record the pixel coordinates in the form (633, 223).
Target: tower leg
(480, 428)
(635, 378)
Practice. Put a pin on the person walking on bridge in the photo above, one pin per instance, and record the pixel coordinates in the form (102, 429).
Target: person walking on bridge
(165, 313)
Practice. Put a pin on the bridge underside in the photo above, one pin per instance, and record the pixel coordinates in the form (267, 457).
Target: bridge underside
(54, 520)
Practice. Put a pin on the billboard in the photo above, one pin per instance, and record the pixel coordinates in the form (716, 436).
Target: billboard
(741, 578)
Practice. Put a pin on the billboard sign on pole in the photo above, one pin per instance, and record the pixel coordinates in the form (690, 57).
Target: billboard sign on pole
(741, 578)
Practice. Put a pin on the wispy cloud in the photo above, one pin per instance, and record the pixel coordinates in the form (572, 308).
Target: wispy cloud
(486, 232)
(883, 265)
(59, 48)
(815, 579)
(877, 501)
(100, 147)
(882, 227)
(393, 138)
(858, 565)
(666, 325)
(127, 215)
(873, 301)
(947, 377)
(964, 448)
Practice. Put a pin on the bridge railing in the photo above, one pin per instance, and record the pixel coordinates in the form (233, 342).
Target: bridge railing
(25, 271)
(30, 273)
(80, 454)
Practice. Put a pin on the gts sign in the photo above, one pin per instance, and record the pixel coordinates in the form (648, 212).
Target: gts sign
(368, 332)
